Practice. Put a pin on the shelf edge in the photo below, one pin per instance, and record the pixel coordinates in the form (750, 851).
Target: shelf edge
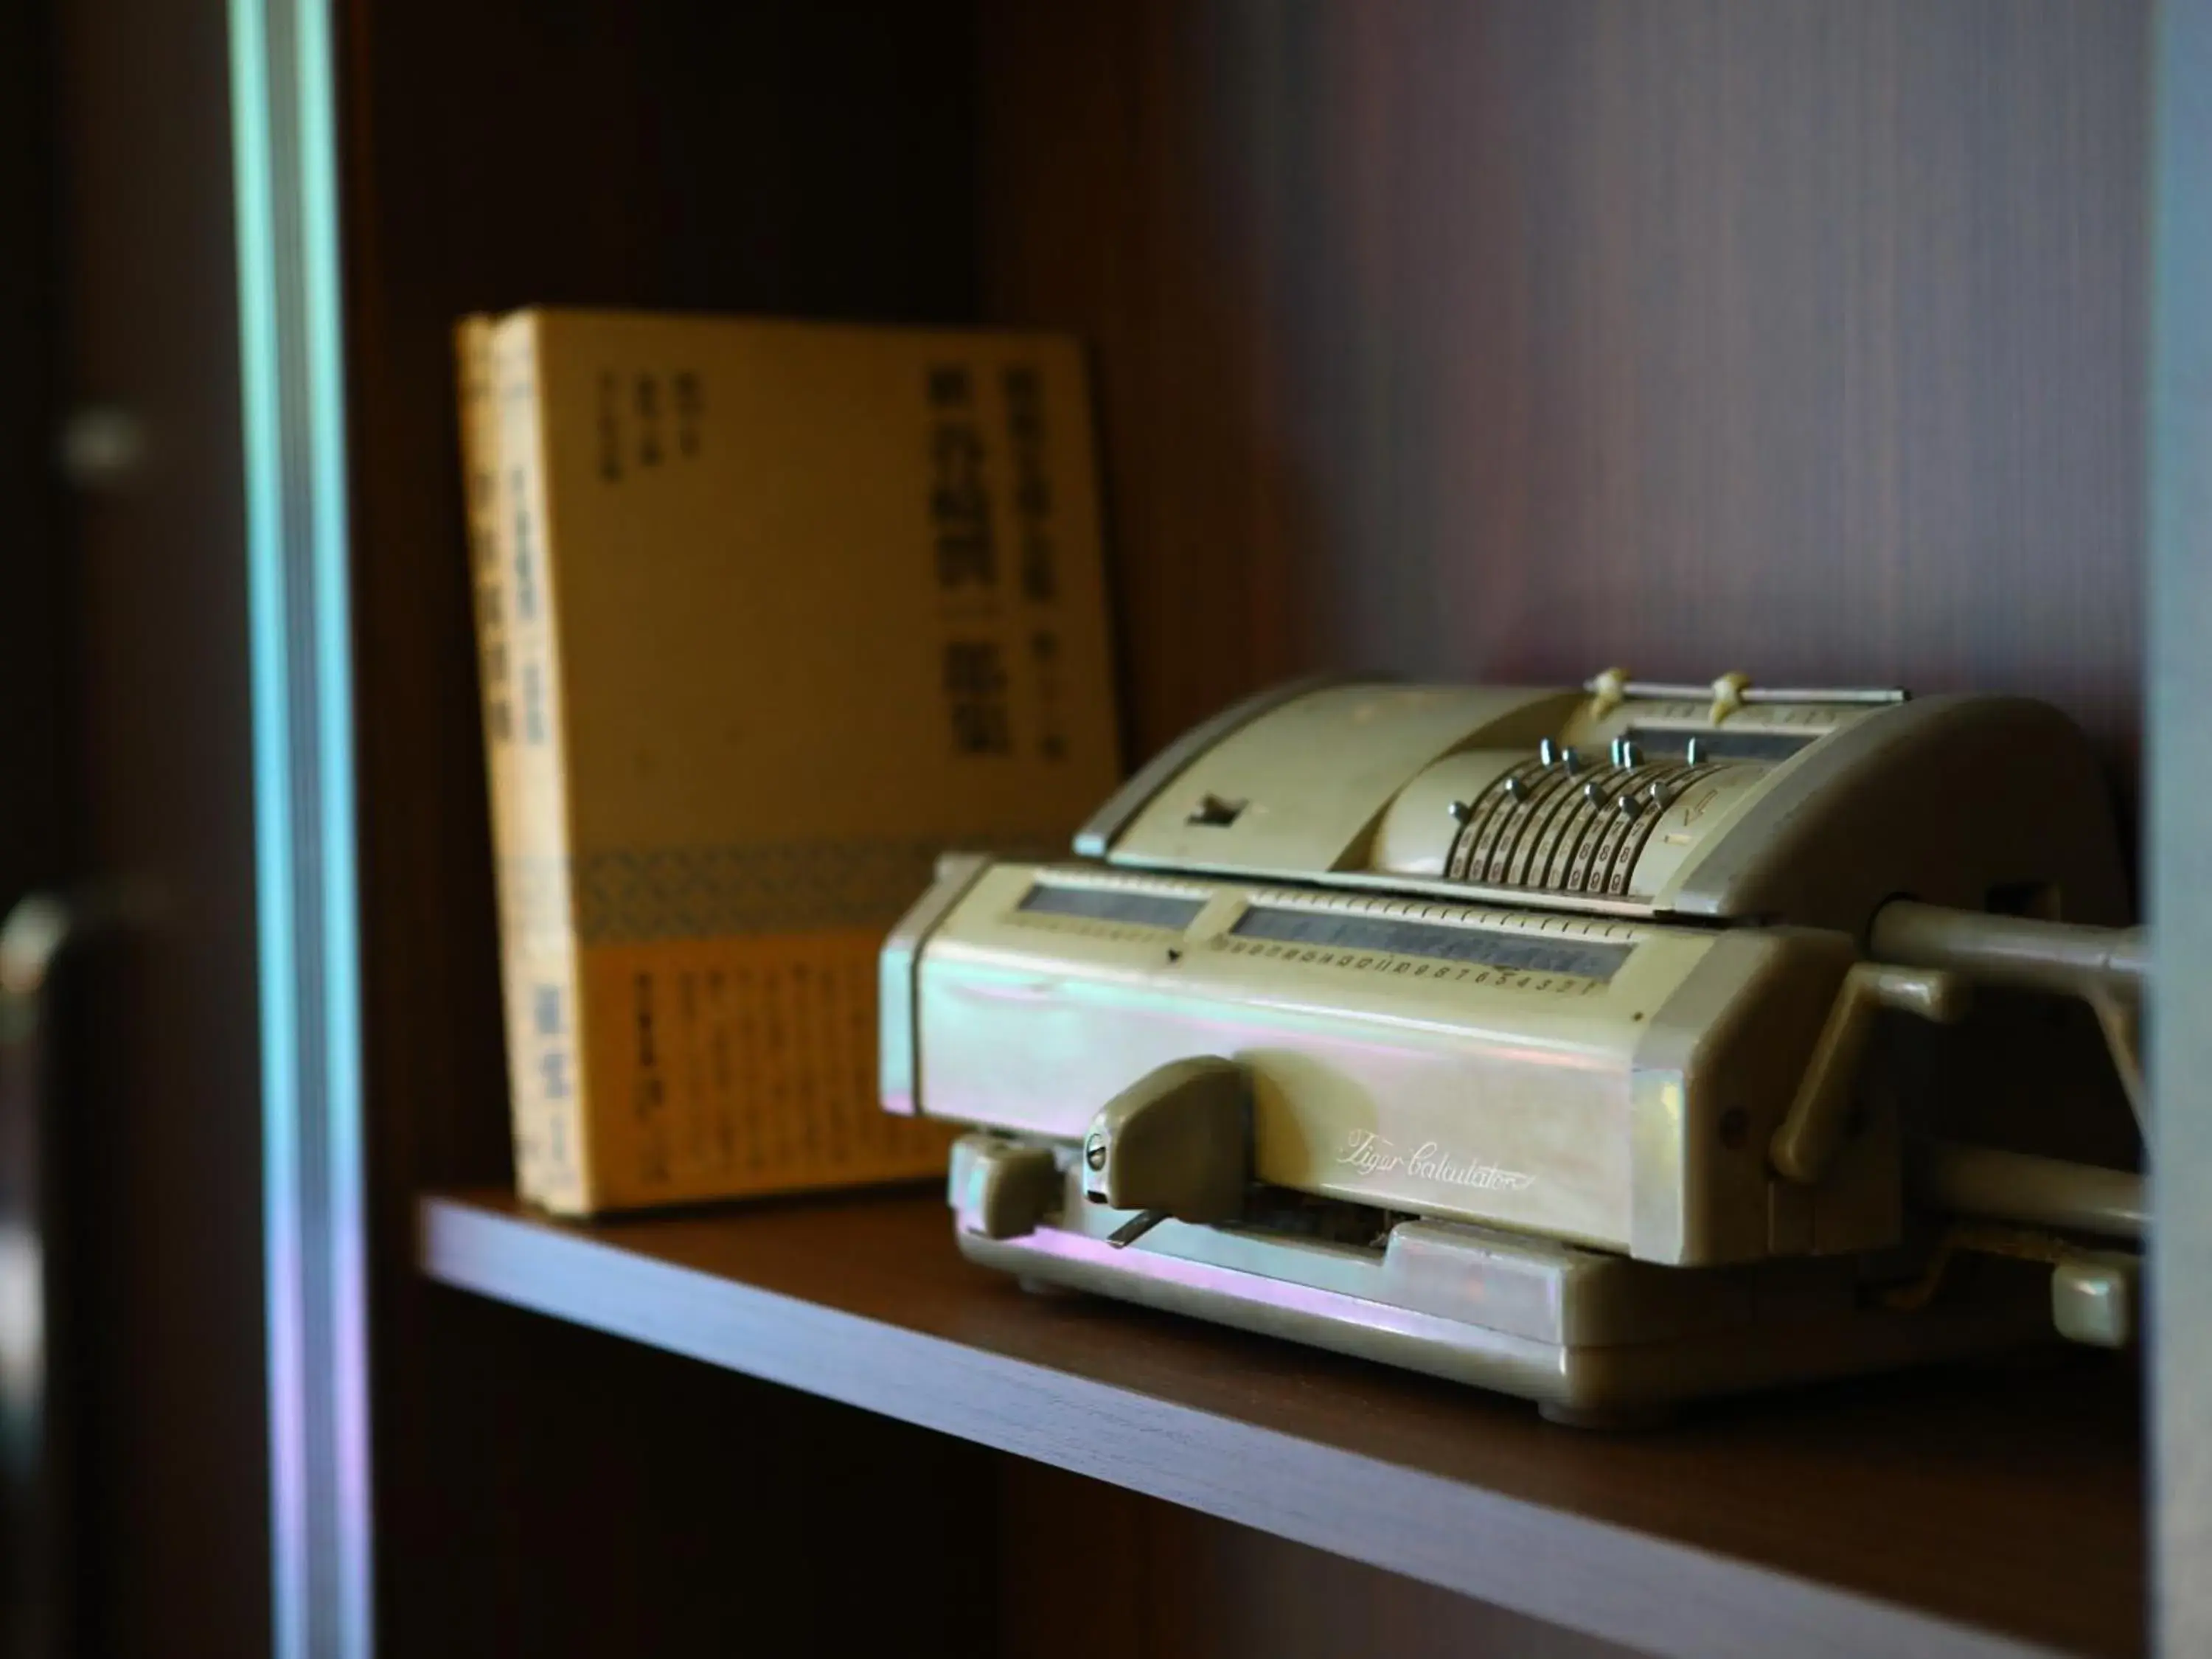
(1648, 1593)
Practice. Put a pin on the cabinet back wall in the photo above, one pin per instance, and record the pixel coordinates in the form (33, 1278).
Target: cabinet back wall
(1520, 338)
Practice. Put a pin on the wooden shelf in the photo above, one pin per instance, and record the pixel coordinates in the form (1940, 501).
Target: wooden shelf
(1995, 1510)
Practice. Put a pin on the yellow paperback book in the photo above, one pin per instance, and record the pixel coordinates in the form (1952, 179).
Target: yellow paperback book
(771, 613)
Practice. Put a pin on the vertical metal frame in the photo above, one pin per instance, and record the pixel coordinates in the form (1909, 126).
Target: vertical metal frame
(291, 335)
(2180, 823)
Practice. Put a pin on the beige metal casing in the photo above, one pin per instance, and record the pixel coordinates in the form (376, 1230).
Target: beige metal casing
(1616, 1092)
(1809, 813)
(1305, 783)
(1577, 1036)
(1595, 1337)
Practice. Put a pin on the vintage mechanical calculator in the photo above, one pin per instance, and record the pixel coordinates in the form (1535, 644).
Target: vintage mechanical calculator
(1608, 1047)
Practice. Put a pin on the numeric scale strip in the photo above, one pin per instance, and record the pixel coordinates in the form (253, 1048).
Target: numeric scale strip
(1654, 1595)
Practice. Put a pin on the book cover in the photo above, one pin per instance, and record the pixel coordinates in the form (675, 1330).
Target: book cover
(780, 611)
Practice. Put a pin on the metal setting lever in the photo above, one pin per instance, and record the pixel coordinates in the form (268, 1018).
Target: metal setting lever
(1809, 1135)
(1131, 1231)
(1178, 1142)
(1001, 1188)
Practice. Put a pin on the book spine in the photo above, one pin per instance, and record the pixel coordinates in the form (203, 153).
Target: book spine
(538, 953)
(487, 561)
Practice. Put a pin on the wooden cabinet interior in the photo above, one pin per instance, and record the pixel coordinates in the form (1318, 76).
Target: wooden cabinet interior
(1486, 339)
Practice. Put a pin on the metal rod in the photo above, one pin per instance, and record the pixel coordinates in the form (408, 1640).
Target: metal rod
(2066, 958)
(1655, 690)
(2044, 1192)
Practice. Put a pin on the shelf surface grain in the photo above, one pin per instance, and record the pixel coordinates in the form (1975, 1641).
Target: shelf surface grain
(1982, 1510)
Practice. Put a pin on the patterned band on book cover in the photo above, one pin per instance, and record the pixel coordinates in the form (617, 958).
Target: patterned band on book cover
(642, 895)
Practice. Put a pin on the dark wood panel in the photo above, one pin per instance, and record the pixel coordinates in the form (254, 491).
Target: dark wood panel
(1520, 338)
(37, 620)
(1172, 1583)
(37, 1518)
(161, 1082)
(1848, 1519)
(666, 1507)
(776, 157)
